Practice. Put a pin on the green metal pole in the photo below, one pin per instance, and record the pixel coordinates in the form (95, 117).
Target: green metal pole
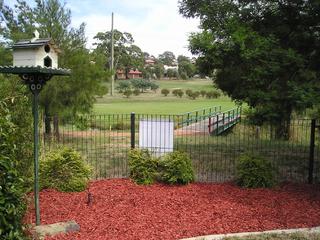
(36, 156)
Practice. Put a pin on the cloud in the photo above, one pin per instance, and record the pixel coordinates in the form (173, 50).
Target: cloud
(156, 26)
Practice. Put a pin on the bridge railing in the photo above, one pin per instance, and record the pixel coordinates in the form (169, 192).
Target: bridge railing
(223, 121)
(198, 115)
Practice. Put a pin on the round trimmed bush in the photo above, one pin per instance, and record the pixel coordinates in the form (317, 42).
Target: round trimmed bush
(189, 92)
(180, 93)
(143, 167)
(177, 92)
(203, 93)
(165, 92)
(213, 94)
(254, 172)
(65, 170)
(194, 95)
(176, 168)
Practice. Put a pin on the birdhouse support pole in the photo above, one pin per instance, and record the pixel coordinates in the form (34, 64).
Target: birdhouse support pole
(35, 110)
(36, 83)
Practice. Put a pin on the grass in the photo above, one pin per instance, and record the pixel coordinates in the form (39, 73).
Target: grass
(294, 236)
(196, 85)
(156, 103)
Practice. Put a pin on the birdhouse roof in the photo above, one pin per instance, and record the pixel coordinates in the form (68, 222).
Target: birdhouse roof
(34, 70)
(35, 44)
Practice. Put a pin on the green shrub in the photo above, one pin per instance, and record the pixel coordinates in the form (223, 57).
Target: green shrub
(123, 85)
(141, 84)
(65, 170)
(176, 168)
(194, 95)
(165, 92)
(81, 123)
(100, 125)
(188, 92)
(120, 125)
(175, 91)
(154, 86)
(15, 106)
(127, 93)
(180, 93)
(136, 92)
(142, 166)
(183, 76)
(12, 205)
(213, 94)
(254, 172)
(203, 93)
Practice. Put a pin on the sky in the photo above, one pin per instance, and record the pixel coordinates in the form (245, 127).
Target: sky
(156, 25)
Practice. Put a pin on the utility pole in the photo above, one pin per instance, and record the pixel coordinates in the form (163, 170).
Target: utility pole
(112, 57)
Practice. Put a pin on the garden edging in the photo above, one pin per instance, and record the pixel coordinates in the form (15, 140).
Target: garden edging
(244, 234)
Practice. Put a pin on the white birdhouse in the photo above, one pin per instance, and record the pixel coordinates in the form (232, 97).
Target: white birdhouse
(36, 52)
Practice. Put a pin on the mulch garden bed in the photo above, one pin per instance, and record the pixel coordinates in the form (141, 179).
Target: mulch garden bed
(120, 209)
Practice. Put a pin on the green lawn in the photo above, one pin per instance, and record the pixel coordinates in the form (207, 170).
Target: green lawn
(195, 84)
(155, 103)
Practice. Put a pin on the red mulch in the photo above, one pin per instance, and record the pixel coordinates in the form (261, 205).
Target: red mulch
(123, 210)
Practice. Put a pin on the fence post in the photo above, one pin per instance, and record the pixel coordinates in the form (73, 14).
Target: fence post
(197, 116)
(188, 117)
(223, 122)
(133, 129)
(311, 154)
(217, 131)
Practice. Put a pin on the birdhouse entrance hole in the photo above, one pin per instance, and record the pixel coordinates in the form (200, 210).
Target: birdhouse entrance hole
(47, 62)
(47, 48)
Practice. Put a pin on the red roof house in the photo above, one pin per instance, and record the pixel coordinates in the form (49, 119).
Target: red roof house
(134, 74)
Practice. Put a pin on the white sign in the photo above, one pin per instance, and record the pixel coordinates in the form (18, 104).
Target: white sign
(156, 136)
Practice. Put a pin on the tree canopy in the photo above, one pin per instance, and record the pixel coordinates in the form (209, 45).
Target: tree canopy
(167, 58)
(127, 55)
(265, 53)
(186, 67)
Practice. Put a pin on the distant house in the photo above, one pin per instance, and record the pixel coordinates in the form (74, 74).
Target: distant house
(121, 74)
(149, 62)
(134, 74)
(175, 68)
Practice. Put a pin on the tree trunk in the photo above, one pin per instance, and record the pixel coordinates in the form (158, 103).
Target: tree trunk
(282, 127)
(47, 121)
(56, 127)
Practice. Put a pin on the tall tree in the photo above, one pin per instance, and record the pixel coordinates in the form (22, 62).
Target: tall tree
(127, 55)
(265, 53)
(186, 68)
(167, 58)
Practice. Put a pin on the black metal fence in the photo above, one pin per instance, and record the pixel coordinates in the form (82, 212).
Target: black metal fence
(213, 140)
